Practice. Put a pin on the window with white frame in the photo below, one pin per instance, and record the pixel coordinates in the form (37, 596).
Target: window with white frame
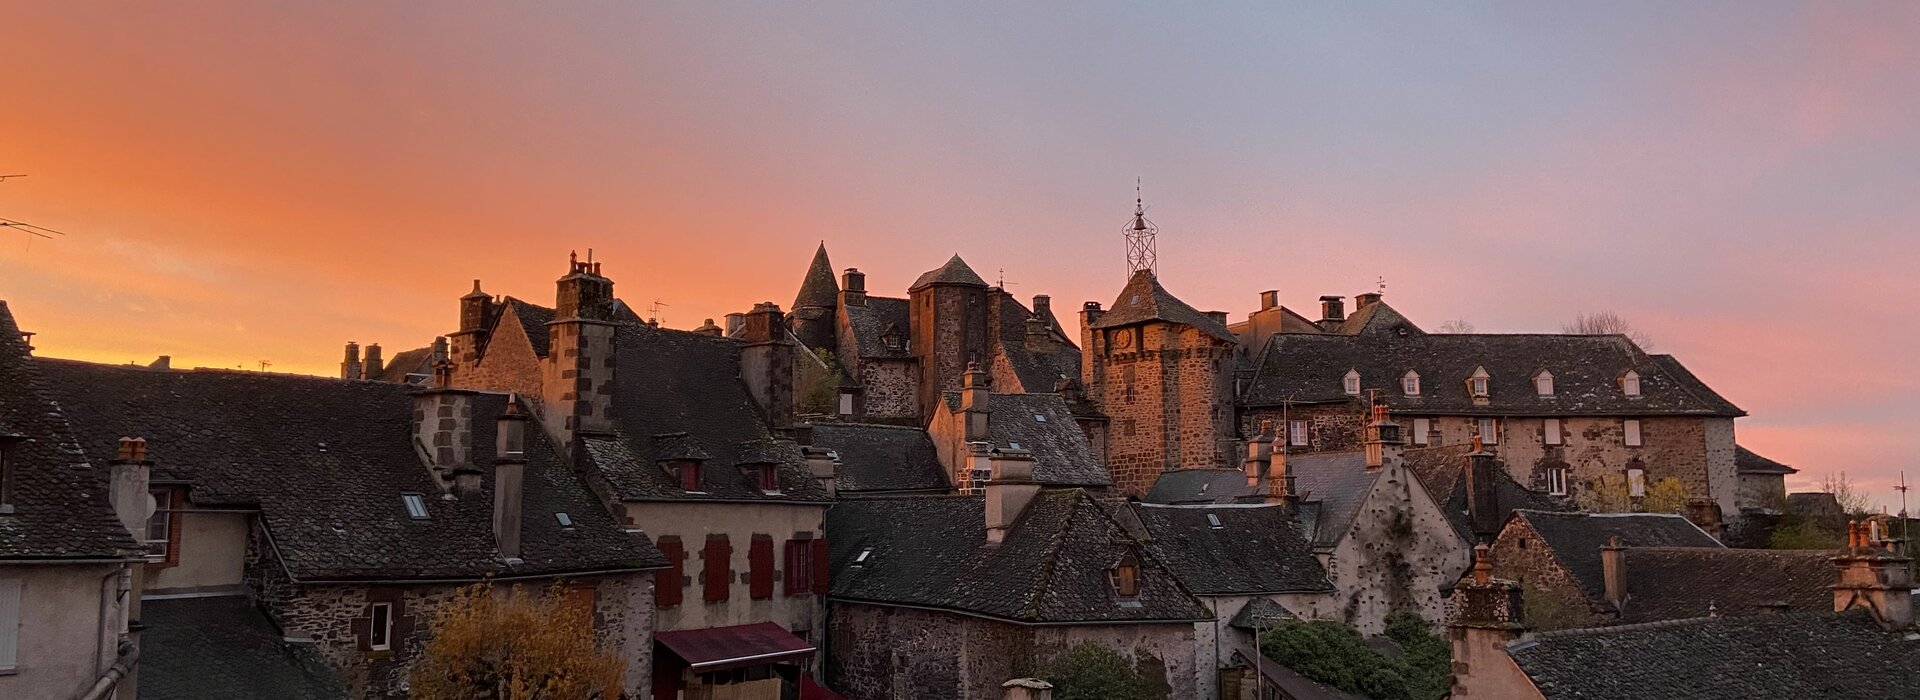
(1557, 481)
(1543, 383)
(1632, 429)
(1636, 482)
(1421, 427)
(1477, 384)
(1410, 383)
(1489, 431)
(380, 627)
(159, 536)
(1351, 383)
(1630, 383)
(1550, 431)
(1297, 433)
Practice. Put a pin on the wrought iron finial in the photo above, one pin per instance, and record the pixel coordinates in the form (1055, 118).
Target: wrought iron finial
(1139, 232)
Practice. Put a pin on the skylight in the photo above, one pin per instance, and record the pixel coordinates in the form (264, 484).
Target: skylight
(565, 520)
(862, 559)
(1039, 418)
(1213, 521)
(416, 506)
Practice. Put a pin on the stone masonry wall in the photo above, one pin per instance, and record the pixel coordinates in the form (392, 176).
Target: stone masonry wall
(1330, 427)
(889, 387)
(1169, 402)
(509, 364)
(1554, 600)
(1400, 553)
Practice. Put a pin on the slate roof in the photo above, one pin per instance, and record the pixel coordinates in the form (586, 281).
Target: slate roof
(1307, 368)
(1254, 549)
(869, 324)
(955, 271)
(1190, 486)
(1042, 424)
(404, 363)
(1053, 566)
(225, 648)
(1260, 611)
(1377, 319)
(1791, 655)
(1442, 471)
(881, 458)
(1575, 539)
(1039, 371)
(1339, 482)
(1746, 462)
(818, 287)
(1670, 583)
(672, 383)
(325, 462)
(60, 508)
(1144, 300)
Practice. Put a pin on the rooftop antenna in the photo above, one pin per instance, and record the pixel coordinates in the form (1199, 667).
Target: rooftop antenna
(30, 229)
(1905, 525)
(653, 310)
(3, 178)
(1139, 232)
(1382, 288)
(264, 364)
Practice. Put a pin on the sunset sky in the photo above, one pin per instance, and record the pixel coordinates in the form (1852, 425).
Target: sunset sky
(254, 181)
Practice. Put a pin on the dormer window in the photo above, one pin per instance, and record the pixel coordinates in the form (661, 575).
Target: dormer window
(1630, 383)
(1477, 384)
(1410, 383)
(687, 472)
(1543, 383)
(1351, 383)
(1126, 577)
(763, 477)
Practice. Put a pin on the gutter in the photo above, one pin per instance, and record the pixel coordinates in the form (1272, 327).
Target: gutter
(122, 667)
(1028, 623)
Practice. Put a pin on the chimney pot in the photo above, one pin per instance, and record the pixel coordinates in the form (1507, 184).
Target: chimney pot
(1332, 309)
(1269, 299)
(1361, 301)
(1009, 491)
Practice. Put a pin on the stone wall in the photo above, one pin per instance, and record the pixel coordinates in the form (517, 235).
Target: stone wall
(949, 330)
(1330, 427)
(888, 390)
(1554, 600)
(1167, 390)
(509, 363)
(1400, 553)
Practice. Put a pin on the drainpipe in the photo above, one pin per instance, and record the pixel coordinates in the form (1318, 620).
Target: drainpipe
(129, 655)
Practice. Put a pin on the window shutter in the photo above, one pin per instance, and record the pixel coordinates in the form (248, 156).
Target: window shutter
(9, 623)
(718, 557)
(760, 559)
(666, 585)
(1553, 431)
(820, 566)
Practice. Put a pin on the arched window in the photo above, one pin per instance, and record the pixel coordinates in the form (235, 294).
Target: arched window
(1630, 383)
(1477, 384)
(1543, 383)
(1410, 383)
(1352, 382)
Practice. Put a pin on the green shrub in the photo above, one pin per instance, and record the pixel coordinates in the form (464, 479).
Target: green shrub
(1335, 654)
(1093, 672)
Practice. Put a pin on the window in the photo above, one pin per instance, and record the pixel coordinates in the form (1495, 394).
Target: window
(1213, 521)
(1421, 427)
(1297, 433)
(162, 538)
(566, 521)
(861, 560)
(1632, 430)
(1636, 482)
(846, 404)
(717, 574)
(1543, 383)
(1489, 431)
(760, 564)
(6, 475)
(1557, 481)
(1352, 383)
(1410, 384)
(380, 627)
(1477, 384)
(9, 624)
(416, 506)
(764, 477)
(1126, 577)
(1551, 431)
(799, 567)
(666, 582)
(1630, 383)
(1039, 418)
(688, 472)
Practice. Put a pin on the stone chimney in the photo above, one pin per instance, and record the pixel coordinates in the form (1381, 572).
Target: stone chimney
(1383, 439)
(375, 364)
(976, 397)
(1483, 494)
(708, 328)
(1039, 334)
(443, 426)
(162, 362)
(1269, 299)
(1705, 513)
(822, 463)
(1009, 491)
(1027, 689)
(735, 322)
(853, 287)
(1332, 311)
(350, 367)
(1874, 577)
(1259, 457)
(1361, 301)
(1090, 314)
(476, 311)
(766, 363)
(1043, 306)
(438, 352)
(509, 477)
(1485, 615)
(127, 479)
(577, 375)
(1613, 573)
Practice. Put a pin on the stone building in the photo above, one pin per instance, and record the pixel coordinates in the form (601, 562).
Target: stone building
(344, 513)
(975, 417)
(69, 567)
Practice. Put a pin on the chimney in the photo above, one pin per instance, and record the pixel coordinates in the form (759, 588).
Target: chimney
(1039, 334)
(975, 402)
(1026, 689)
(735, 322)
(509, 477)
(1705, 513)
(1009, 491)
(1483, 496)
(1361, 301)
(1485, 614)
(162, 362)
(577, 376)
(1090, 314)
(443, 426)
(1269, 299)
(1383, 439)
(822, 463)
(1043, 306)
(438, 353)
(707, 328)
(1874, 577)
(375, 364)
(350, 367)
(127, 480)
(853, 287)
(1259, 457)
(1613, 573)
(475, 308)
(1331, 311)
(1219, 317)
(766, 363)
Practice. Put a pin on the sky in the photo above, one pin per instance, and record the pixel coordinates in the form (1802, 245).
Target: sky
(260, 181)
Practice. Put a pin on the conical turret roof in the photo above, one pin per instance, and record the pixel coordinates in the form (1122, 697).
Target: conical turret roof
(954, 272)
(819, 287)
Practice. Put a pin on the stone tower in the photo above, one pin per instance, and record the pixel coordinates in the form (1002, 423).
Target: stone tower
(947, 308)
(577, 375)
(1162, 373)
(813, 309)
(476, 319)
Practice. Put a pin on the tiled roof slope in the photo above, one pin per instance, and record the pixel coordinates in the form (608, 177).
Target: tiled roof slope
(1191, 486)
(1260, 613)
(404, 363)
(881, 458)
(1746, 462)
(1670, 583)
(1339, 482)
(1144, 300)
(1053, 567)
(1253, 549)
(1586, 370)
(672, 382)
(60, 508)
(955, 271)
(1378, 319)
(325, 461)
(1576, 538)
(225, 648)
(870, 323)
(1442, 470)
(1791, 655)
(1042, 424)
(1038, 370)
(818, 288)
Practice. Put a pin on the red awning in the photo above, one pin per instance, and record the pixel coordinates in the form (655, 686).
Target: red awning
(811, 689)
(715, 648)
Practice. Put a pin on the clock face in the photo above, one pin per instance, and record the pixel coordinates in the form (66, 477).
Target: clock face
(1123, 339)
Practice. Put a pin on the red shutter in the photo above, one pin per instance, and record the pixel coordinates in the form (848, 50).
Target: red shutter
(760, 558)
(820, 566)
(719, 557)
(666, 582)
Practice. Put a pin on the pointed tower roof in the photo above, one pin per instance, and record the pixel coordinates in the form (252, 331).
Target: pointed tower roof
(954, 272)
(818, 288)
(1144, 300)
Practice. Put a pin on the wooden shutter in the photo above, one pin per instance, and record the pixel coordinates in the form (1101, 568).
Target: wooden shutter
(798, 568)
(9, 623)
(666, 584)
(760, 559)
(718, 556)
(820, 566)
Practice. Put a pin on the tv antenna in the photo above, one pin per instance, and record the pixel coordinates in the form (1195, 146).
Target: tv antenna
(264, 364)
(1905, 524)
(1382, 288)
(30, 229)
(653, 310)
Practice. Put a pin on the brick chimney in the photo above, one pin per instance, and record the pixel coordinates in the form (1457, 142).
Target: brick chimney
(975, 402)
(1483, 495)
(509, 477)
(1383, 439)
(1613, 573)
(577, 375)
(1269, 299)
(853, 287)
(375, 364)
(1332, 311)
(1485, 615)
(1874, 577)
(1361, 301)
(350, 367)
(1009, 491)
(766, 363)
(443, 426)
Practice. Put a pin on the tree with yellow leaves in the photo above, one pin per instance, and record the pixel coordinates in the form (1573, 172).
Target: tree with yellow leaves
(515, 646)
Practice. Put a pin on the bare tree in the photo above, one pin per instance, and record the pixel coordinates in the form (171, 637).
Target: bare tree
(1458, 325)
(1852, 500)
(1607, 323)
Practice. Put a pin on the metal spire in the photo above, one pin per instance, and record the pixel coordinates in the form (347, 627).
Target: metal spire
(1139, 232)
